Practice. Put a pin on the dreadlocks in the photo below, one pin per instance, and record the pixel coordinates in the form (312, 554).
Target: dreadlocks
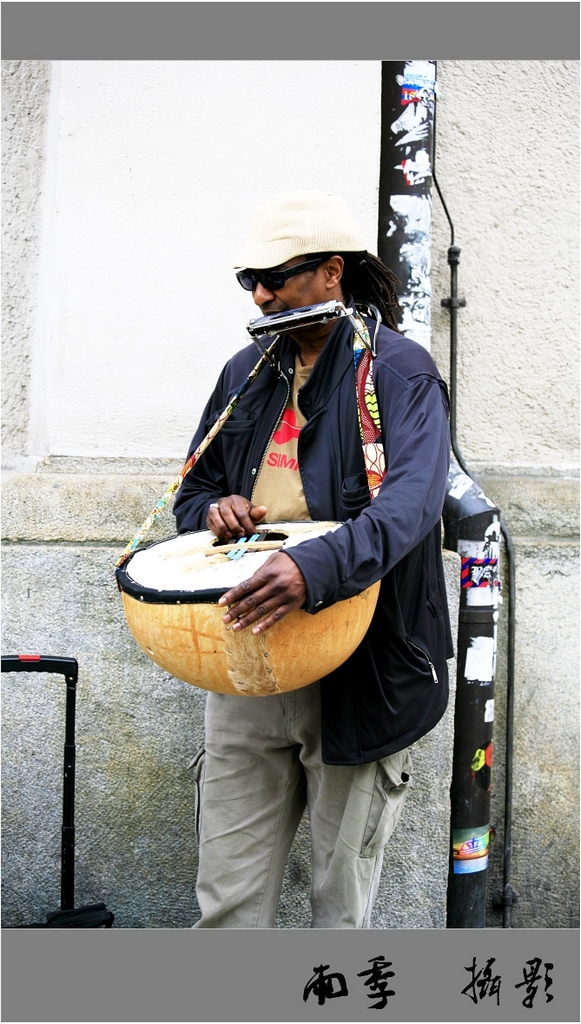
(369, 281)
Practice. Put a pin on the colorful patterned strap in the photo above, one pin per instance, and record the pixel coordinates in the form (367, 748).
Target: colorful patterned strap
(368, 409)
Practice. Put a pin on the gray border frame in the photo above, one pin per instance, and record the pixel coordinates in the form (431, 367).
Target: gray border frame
(306, 31)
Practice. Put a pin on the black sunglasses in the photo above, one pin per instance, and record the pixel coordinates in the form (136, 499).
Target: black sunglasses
(273, 280)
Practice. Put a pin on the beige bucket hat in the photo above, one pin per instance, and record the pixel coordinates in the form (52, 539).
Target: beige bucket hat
(298, 223)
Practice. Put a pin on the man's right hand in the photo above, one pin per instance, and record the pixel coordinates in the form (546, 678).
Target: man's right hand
(233, 517)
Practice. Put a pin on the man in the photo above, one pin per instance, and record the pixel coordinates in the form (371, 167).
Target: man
(340, 746)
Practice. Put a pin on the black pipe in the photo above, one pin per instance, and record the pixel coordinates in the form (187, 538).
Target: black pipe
(508, 898)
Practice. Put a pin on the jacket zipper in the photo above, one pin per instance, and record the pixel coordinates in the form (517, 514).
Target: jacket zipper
(276, 423)
(417, 647)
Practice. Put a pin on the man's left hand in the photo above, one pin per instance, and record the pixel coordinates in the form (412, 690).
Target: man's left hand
(276, 589)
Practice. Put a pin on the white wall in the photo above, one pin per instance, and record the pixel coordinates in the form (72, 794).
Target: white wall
(152, 171)
(156, 168)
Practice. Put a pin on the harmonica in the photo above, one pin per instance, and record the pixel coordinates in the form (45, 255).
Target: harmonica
(290, 320)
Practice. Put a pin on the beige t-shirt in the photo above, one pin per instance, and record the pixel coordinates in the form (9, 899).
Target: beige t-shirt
(279, 485)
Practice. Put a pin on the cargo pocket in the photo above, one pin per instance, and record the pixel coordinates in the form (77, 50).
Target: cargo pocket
(198, 766)
(392, 782)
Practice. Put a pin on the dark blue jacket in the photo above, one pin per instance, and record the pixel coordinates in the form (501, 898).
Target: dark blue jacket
(394, 688)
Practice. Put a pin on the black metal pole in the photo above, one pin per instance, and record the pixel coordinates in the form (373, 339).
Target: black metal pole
(472, 528)
(68, 829)
(405, 186)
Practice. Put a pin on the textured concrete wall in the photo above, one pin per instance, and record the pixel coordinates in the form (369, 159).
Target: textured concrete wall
(545, 793)
(507, 161)
(129, 281)
(25, 98)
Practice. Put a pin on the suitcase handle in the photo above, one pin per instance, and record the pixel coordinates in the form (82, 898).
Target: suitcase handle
(40, 663)
(69, 668)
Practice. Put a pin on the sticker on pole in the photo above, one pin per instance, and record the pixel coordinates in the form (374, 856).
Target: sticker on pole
(480, 578)
(470, 849)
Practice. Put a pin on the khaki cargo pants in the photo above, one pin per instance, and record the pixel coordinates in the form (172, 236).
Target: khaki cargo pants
(262, 767)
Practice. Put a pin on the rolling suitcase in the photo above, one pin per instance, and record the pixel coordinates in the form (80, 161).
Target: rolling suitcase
(94, 915)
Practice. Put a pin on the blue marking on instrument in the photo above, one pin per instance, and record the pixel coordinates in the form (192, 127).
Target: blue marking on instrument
(242, 551)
